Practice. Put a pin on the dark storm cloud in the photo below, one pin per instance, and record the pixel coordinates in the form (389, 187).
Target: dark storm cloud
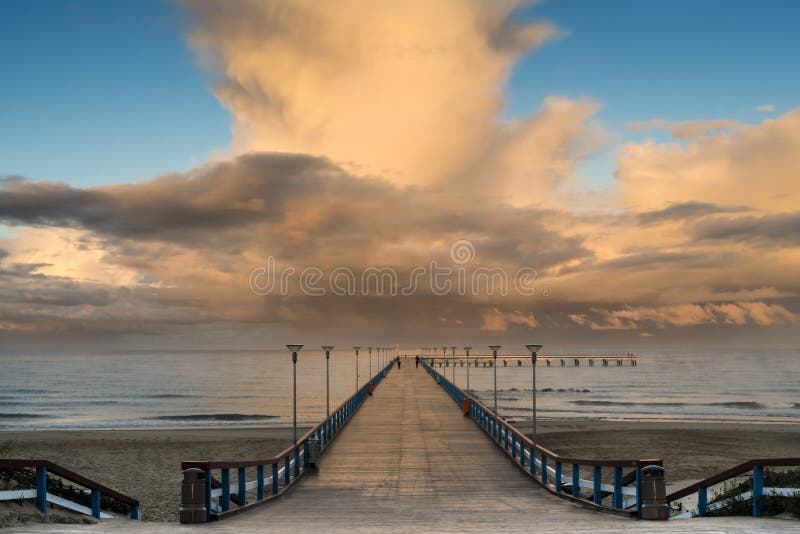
(781, 229)
(685, 210)
(251, 188)
(650, 260)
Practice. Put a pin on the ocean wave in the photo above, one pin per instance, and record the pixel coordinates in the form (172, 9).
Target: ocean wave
(213, 417)
(170, 396)
(741, 405)
(621, 403)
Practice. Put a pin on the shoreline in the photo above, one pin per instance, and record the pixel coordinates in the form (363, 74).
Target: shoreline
(145, 463)
(519, 423)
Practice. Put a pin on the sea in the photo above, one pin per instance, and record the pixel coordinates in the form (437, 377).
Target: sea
(169, 389)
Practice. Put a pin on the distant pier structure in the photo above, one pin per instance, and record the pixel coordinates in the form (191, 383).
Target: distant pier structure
(483, 360)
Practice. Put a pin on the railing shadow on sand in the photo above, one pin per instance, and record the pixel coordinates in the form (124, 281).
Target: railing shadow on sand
(206, 498)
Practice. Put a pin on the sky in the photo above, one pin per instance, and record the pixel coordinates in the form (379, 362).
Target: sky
(640, 157)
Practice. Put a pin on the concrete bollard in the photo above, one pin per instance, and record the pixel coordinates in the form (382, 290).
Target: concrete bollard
(193, 496)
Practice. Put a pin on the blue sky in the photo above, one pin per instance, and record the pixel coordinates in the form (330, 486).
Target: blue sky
(98, 92)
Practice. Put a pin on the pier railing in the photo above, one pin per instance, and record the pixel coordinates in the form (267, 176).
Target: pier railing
(573, 360)
(206, 498)
(753, 490)
(96, 495)
(614, 494)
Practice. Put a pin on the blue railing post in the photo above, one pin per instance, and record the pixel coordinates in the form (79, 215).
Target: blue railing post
(275, 480)
(260, 479)
(758, 490)
(225, 498)
(287, 469)
(134, 512)
(558, 476)
(598, 493)
(505, 433)
(41, 489)
(305, 452)
(207, 477)
(639, 491)
(544, 469)
(702, 502)
(242, 487)
(576, 480)
(522, 453)
(617, 487)
(96, 503)
(297, 461)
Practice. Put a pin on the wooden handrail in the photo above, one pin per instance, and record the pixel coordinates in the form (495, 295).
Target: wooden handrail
(63, 472)
(234, 464)
(625, 462)
(733, 472)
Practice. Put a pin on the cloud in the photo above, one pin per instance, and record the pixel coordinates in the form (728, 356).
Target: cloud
(731, 313)
(780, 229)
(687, 130)
(494, 320)
(372, 135)
(366, 86)
(685, 210)
(754, 165)
(765, 108)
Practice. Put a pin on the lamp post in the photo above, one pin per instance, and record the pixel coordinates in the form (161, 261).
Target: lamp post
(370, 363)
(533, 350)
(454, 364)
(494, 349)
(294, 350)
(327, 349)
(467, 349)
(357, 349)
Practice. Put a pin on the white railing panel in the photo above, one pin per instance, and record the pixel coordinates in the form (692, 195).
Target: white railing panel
(15, 495)
(75, 507)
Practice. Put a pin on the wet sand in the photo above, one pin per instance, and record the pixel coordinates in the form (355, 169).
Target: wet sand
(146, 463)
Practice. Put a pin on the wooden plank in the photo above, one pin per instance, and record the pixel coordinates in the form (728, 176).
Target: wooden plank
(411, 457)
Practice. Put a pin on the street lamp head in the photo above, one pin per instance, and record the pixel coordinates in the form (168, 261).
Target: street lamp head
(369, 349)
(494, 347)
(453, 348)
(327, 347)
(294, 348)
(534, 348)
(357, 348)
(467, 348)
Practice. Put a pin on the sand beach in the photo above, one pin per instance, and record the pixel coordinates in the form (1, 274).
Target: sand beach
(146, 463)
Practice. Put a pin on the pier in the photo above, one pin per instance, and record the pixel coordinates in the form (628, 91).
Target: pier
(412, 452)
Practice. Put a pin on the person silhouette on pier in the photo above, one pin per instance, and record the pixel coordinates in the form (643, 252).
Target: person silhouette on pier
(416, 362)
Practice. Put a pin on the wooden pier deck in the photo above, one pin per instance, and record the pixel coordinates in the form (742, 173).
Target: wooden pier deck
(409, 461)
